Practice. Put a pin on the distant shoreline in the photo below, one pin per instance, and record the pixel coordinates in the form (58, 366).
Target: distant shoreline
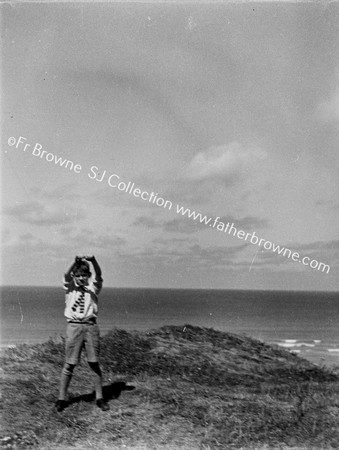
(274, 317)
(334, 352)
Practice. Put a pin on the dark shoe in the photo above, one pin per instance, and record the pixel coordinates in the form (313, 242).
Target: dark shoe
(102, 404)
(60, 405)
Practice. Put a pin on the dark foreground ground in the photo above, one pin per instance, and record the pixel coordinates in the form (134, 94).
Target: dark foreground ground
(178, 387)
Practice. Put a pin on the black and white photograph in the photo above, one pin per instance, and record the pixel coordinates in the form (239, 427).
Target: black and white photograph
(169, 222)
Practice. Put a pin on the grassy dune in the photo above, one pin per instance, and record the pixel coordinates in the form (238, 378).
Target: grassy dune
(177, 387)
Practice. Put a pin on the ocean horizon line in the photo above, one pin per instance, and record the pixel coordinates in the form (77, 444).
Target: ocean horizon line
(173, 289)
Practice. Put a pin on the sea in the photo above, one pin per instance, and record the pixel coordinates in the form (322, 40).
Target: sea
(302, 322)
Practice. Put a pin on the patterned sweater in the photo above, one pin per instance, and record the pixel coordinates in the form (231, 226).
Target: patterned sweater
(82, 301)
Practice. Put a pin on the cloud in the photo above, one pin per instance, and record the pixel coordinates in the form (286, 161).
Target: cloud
(147, 222)
(226, 162)
(59, 193)
(216, 255)
(326, 252)
(5, 236)
(170, 226)
(330, 203)
(172, 240)
(37, 213)
(83, 241)
(320, 245)
(27, 237)
(189, 226)
(248, 223)
(328, 111)
(191, 256)
(182, 226)
(100, 241)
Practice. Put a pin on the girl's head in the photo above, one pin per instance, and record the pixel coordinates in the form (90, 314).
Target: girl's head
(81, 273)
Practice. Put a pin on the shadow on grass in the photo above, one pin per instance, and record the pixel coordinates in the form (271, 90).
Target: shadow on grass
(111, 391)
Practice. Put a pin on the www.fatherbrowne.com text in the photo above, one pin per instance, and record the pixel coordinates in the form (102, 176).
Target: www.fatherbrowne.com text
(113, 181)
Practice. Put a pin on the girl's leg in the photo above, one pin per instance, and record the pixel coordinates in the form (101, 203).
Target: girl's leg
(101, 402)
(97, 377)
(66, 376)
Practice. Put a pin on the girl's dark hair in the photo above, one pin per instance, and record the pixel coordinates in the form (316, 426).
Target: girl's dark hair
(82, 267)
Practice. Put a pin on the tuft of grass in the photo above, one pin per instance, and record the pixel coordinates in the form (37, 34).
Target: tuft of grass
(195, 388)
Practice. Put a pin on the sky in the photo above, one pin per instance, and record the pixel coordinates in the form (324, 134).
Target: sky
(228, 109)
